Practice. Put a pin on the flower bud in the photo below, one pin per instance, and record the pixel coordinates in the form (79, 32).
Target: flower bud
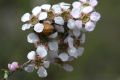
(13, 66)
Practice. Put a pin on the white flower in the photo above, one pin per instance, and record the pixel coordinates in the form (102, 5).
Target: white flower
(42, 16)
(31, 55)
(89, 26)
(76, 12)
(42, 72)
(64, 6)
(30, 19)
(25, 17)
(87, 9)
(36, 10)
(41, 51)
(71, 24)
(26, 26)
(57, 9)
(95, 16)
(64, 56)
(39, 27)
(59, 20)
(76, 4)
(46, 7)
(78, 24)
(32, 38)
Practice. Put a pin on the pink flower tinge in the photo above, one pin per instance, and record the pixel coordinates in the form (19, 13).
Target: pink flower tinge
(13, 66)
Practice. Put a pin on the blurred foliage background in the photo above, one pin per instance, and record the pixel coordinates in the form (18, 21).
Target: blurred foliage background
(100, 61)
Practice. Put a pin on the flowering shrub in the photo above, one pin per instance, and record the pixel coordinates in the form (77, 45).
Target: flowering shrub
(58, 33)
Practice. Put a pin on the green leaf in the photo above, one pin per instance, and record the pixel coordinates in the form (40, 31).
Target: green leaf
(6, 74)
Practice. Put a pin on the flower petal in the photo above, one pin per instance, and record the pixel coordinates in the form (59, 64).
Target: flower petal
(73, 52)
(39, 27)
(70, 42)
(64, 6)
(41, 51)
(68, 67)
(32, 38)
(63, 56)
(43, 15)
(95, 16)
(76, 4)
(59, 20)
(54, 35)
(59, 28)
(57, 9)
(42, 72)
(26, 26)
(87, 9)
(29, 68)
(89, 26)
(53, 45)
(53, 55)
(83, 1)
(71, 24)
(76, 32)
(25, 17)
(36, 10)
(46, 64)
(78, 24)
(80, 51)
(31, 55)
(93, 3)
(75, 13)
(46, 7)
(82, 38)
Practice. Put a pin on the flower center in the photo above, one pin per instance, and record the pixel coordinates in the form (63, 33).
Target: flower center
(51, 15)
(85, 18)
(34, 20)
(65, 15)
(86, 4)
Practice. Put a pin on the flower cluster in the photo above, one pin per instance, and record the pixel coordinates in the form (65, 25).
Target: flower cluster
(58, 33)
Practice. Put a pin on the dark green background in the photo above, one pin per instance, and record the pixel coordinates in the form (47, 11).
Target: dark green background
(101, 59)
